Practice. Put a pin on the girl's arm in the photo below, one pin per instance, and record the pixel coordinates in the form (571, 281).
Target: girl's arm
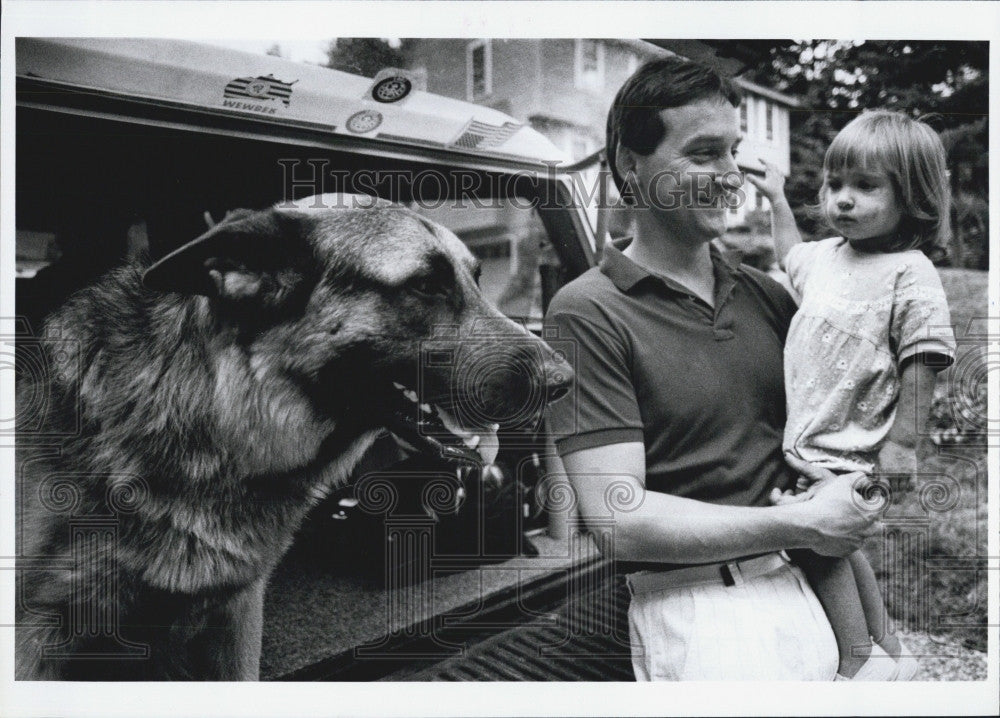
(783, 227)
(916, 391)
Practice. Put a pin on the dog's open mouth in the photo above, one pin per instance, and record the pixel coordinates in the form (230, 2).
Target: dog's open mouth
(430, 428)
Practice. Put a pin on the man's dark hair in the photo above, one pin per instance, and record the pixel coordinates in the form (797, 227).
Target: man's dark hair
(634, 119)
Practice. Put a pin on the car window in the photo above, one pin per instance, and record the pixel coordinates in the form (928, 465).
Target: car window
(507, 235)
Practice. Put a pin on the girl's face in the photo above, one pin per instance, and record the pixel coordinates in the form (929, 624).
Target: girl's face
(861, 205)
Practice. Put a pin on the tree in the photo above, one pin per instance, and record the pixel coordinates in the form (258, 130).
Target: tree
(945, 82)
(367, 55)
(966, 146)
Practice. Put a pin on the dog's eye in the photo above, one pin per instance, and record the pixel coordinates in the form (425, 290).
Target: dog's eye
(428, 285)
(437, 279)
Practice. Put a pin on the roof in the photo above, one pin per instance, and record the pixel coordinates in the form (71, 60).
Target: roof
(774, 95)
(696, 50)
(261, 87)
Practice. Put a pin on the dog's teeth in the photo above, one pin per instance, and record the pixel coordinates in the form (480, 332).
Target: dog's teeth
(426, 408)
(411, 395)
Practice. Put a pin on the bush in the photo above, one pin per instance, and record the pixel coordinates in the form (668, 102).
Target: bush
(959, 418)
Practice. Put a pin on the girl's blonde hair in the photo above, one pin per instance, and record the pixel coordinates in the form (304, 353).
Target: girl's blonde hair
(911, 153)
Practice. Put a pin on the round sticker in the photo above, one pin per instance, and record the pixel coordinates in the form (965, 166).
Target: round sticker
(392, 89)
(364, 121)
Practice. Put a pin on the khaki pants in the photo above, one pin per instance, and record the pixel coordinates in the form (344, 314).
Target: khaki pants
(760, 623)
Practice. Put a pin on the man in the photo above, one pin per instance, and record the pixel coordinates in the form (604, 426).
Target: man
(680, 406)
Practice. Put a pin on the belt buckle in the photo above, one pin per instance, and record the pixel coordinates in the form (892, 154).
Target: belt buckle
(726, 569)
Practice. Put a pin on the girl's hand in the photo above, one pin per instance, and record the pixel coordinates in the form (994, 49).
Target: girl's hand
(789, 496)
(772, 185)
(805, 481)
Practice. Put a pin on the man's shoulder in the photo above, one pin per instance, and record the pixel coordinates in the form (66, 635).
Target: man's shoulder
(773, 292)
(761, 278)
(580, 295)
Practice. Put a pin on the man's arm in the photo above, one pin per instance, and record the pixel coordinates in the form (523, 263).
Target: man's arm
(783, 226)
(652, 526)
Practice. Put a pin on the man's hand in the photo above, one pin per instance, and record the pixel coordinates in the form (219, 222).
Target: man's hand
(772, 185)
(833, 509)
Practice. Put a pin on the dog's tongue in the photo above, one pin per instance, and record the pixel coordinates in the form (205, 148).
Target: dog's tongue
(484, 441)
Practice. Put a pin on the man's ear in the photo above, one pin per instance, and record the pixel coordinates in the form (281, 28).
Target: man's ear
(625, 164)
(625, 161)
(248, 255)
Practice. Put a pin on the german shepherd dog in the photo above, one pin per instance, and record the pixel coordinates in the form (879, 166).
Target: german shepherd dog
(220, 394)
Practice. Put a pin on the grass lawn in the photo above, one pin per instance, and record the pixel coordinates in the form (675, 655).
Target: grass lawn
(932, 557)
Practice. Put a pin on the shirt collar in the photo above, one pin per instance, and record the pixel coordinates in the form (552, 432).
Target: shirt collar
(626, 274)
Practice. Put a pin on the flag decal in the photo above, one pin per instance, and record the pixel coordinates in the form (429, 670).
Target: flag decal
(260, 88)
(481, 135)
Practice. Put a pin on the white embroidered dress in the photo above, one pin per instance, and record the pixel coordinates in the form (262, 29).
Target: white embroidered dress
(861, 314)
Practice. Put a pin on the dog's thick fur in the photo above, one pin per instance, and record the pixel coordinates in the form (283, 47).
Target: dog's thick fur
(219, 396)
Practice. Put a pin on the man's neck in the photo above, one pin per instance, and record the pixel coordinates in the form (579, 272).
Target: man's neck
(688, 264)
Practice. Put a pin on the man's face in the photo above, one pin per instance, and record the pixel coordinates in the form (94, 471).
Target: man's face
(687, 178)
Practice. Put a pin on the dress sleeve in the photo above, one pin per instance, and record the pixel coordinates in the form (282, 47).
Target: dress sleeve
(601, 408)
(798, 262)
(921, 322)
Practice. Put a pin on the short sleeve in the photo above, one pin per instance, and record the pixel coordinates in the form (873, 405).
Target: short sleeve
(921, 322)
(601, 408)
(798, 263)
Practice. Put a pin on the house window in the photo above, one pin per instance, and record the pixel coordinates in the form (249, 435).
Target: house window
(589, 65)
(478, 69)
(744, 112)
(769, 120)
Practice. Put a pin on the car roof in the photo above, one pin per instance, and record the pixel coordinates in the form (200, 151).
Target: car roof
(389, 108)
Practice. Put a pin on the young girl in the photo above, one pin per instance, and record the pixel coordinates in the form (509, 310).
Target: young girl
(858, 374)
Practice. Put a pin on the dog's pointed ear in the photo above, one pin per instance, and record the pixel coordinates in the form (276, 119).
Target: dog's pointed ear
(245, 255)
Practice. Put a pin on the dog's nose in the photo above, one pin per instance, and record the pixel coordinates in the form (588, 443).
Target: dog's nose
(555, 392)
(558, 377)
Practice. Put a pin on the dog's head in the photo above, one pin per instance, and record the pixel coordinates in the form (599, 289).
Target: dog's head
(375, 314)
